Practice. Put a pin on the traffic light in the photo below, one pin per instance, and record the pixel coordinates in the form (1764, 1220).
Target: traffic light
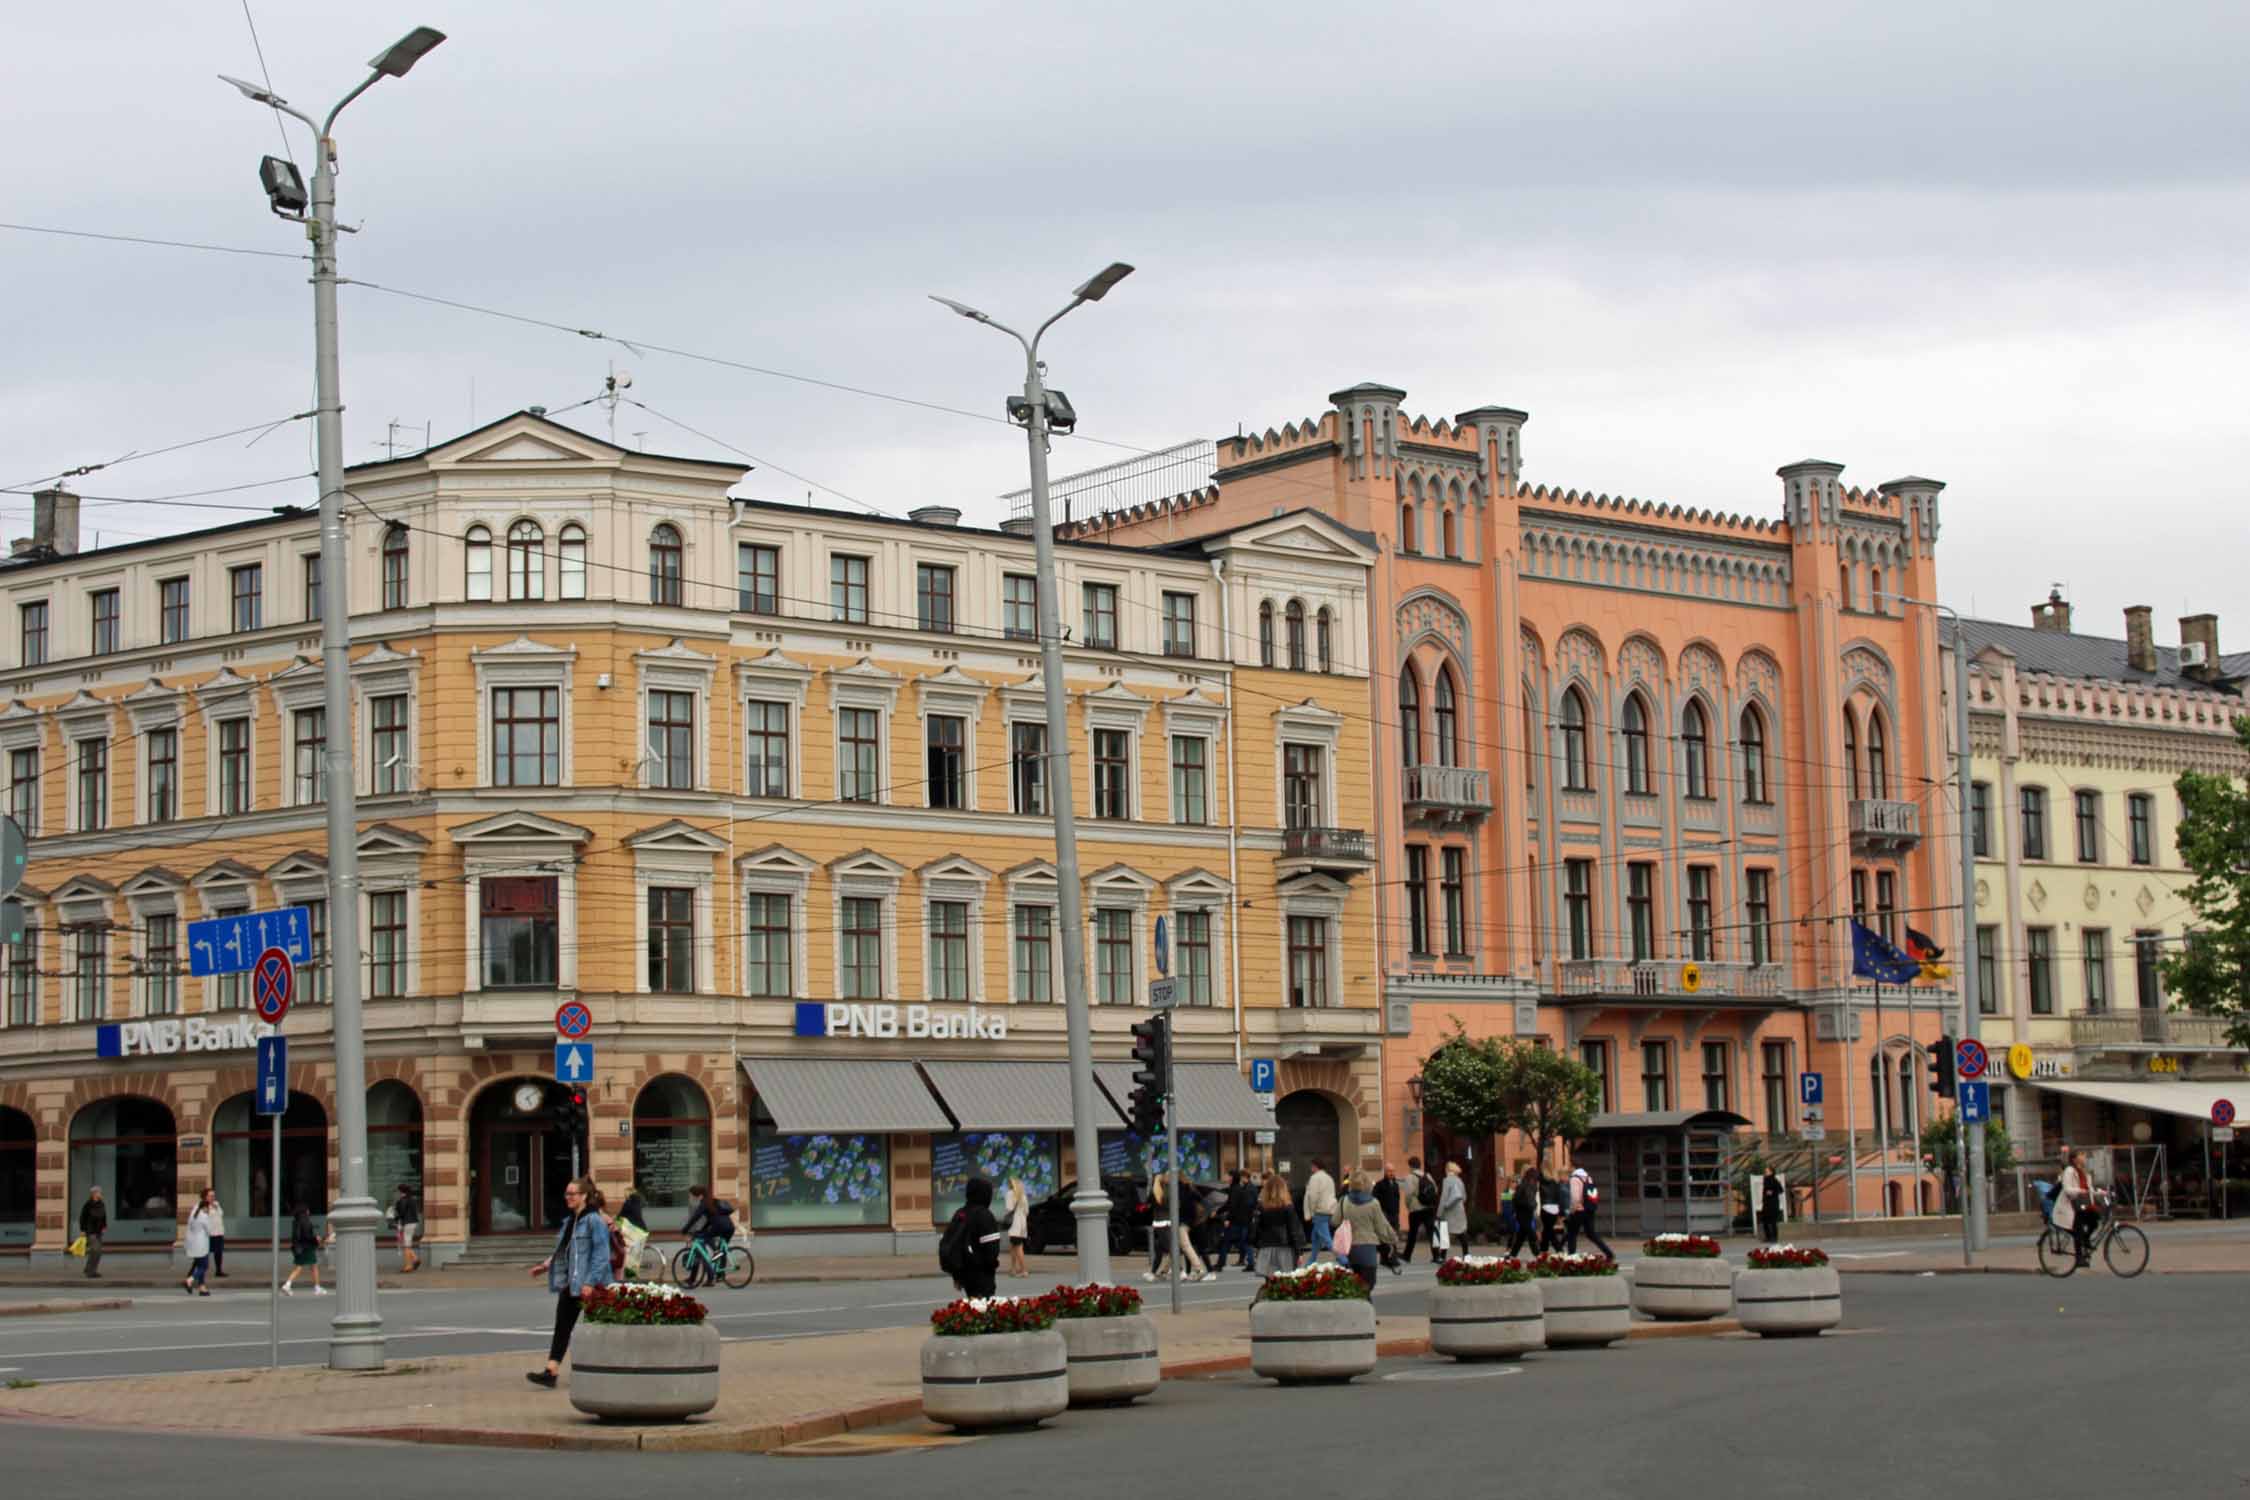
(1941, 1068)
(1152, 1065)
(568, 1110)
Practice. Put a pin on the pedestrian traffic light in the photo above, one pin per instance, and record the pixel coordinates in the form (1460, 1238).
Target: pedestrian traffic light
(1152, 1065)
(1941, 1068)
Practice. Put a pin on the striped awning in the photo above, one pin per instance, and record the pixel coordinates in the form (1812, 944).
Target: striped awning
(1213, 1096)
(1011, 1095)
(844, 1094)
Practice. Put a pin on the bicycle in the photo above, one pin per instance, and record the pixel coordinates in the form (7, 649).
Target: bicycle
(696, 1262)
(2123, 1247)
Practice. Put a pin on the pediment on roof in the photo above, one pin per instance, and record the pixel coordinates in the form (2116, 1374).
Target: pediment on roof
(302, 669)
(676, 835)
(1198, 697)
(775, 858)
(864, 670)
(1031, 869)
(523, 646)
(83, 702)
(156, 880)
(1305, 533)
(867, 862)
(1121, 875)
(389, 838)
(1197, 879)
(224, 871)
(524, 439)
(299, 864)
(150, 692)
(775, 660)
(952, 677)
(84, 888)
(383, 656)
(1116, 694)
(676, 653)
(518, 827)
(954, 867)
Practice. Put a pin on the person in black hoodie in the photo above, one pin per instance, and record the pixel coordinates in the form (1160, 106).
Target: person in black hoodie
(1527, 1213)
(1242, 1220)
(982, 1235)
(1769, 1207)
(1552, 1206)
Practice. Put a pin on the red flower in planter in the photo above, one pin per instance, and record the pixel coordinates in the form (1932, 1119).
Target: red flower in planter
(1482, 1270)
(1681, 1247)
(1588, 1264)
(1094, 1300)
(1788, 1258)
(968, 1317)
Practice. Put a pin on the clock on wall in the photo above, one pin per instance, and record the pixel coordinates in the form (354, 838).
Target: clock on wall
(529, 1096)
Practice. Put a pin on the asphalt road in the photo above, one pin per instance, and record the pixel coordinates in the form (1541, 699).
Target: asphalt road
(1998, 1386)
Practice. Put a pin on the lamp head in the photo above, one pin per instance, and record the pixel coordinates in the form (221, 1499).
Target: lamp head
(394, 60)
(253, 92)
(962, 308)
(1098, 287)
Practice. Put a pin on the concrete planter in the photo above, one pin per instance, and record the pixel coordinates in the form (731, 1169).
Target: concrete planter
(1793, 1303)
(1585, 1312)
(1298, 1343)
(1112, 1360)
(623, 1372)
(1679, 1289)
(990, 1380)
(1487, 1322)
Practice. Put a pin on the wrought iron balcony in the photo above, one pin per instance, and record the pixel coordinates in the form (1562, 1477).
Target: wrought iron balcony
(1447, 794)
(1337, 851)
(1665, 979)
(2150, 1028)
(1881, 823)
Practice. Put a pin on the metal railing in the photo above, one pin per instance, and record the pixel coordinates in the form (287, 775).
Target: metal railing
(2148, 1028)
(1457, 789)
(1325, 843)
(1665, 977)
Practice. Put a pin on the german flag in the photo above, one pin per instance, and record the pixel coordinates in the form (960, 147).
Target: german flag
(1923, 951)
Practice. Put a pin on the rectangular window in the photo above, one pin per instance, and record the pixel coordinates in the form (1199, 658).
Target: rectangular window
(2087, 813)
(312, 586)
(2033, 801)
(1035, 953)
(234, 767)
(1192, 945)
(163, 775)
(1859, 897)
(671, 740)
(858, 754)
(1113, 957)
(757, 579)
(2140, 827)
(933, 597)
(1453, 898)
(1773, 1070)
(2148, 980)
(312, 975)
(34, 620)
(160, 964)
(1715, 1076)
(106, 621)
(527, 736)
(518, 926)
(23, 789)
(1418, 899)
(172, 610)
(847, 589)
(1179, 624)
(1027, 767)
(671, 940)
(392, 772)
(1308, 962)
(1302, 805)
(1886, 905)
(1699, 878)
(2039, 964)
(769, 949)
(949, 950)
(394, 567)
(23, 980)
(1980, 817)
(2094, 959)
(767, 726)
(1113, 773)
(1988, 971)
(1100, 601)
(309, 730)
(1019, 607)
(385, 943)
(246, 597)
(1656, 1077)
(1190, 779)
(93, 785)
(860, 949)
(945, 741)
(1578, 902)
(1595, 1057)
(1758, 908)
(1640, 909)
(89, 988)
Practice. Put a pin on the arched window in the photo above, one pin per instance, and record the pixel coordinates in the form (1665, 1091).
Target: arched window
(1409, 537)
(394, 566)
(570, 562)
(1530, 746)
(1851, 749)
(1753, 754)
(664, 565)
(1294, 620)
(1265, 632)
(1446, 721)
(241, 1147)
(1636, 745)
(476, 547)
(19, 1176)
(1409, 716)
(1695, 748)
(1878, 757)
(1324, 649)
(1576, 773)
(1452, 536)
(527, 561)
(671, 1147)
(394, 1139)
(1875, 599)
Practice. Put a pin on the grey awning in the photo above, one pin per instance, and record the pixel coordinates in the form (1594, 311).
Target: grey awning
(2189, 1100)
(1213, 1096)
(843, 1094)
(1669, 1119)
(1011, 1095)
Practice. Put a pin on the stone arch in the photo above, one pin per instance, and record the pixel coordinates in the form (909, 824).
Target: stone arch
(1358, 1126)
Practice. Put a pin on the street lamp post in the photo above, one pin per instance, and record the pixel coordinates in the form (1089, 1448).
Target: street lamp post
(355, 1339)
(1038, 410)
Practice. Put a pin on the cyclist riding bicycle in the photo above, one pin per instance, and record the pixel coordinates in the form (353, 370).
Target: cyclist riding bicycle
(2077, 1207)
(713, 1216)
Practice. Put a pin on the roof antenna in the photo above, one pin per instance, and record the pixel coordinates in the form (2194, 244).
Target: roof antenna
(613, 391)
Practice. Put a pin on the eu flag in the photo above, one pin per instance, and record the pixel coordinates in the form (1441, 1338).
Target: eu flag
(1874, 957)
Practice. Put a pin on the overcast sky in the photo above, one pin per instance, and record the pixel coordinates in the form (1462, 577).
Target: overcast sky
(2001, 245)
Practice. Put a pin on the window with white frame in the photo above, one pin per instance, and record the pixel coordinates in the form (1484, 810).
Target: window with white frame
(1034, 953)
(769, 948)
(671, 939)
(1192, 957)
(570, 562)
(671, 739)
(666, 565)
(1100, 615)
(476, 563)
(865, 889)
(1191, 779)
(386, 944)
(1113, 956)
(308, 737)
(162, 794)
(392, 767)
(523, 733)
(757, 578)
(1308, 962)
(948, 977)
(1113, 773)
(23, 787)
(859, 750)
(1019, 607)
(23, 978)
(91, 758)
(160, 963)
(1027, 767)
(89, 974)
(527, 560)
(771, 692)
(859, 949)
(767, 731)
(847, 589)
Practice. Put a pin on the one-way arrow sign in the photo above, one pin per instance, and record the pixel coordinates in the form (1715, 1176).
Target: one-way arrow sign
(574, 1062)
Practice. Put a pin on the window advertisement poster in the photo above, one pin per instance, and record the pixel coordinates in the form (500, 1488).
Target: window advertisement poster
(1125, 1154)
(819, 1181)
(998, 1155)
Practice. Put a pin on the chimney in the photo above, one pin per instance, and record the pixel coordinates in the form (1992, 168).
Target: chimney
(1017, 526)
(935, 515)
(2200, 631)
(2140, 638)
(54, 522)
(2054, 615)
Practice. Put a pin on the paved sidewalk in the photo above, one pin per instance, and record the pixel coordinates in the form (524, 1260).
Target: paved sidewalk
(147, 1272)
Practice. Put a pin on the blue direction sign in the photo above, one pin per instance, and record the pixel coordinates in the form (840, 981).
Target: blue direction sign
(574, 1062)
(1976, 1102)
(231, 945)
(1261, 1075)
(273, 1075)
(1809, 1089)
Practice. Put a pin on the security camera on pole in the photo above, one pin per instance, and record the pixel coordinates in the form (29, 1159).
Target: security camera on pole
(356, 1337)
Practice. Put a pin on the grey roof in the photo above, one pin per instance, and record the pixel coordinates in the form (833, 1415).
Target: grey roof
(2088, 657)
(1213, 1096)
(843, 1094)
(1010, 1095)
(1666, 1119)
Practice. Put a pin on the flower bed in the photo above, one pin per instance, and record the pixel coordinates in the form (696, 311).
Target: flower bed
(1094, 1300)
(969, 1316)
(1482, 1270)
(1486, 1307)
(645, 1355)
(1326, 1282)
(1564, 1266)
(640, 1304)
(1110, 1347)
(1788, 1292)
(1682, 1247)
(1788, 1258)
(1682, 1278)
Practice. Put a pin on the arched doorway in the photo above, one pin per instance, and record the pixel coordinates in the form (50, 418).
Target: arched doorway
(671, 1147)
(128, 1147)
(520, 1158)
(242, 1162)
(19, 1176)
(394, 1140)
(1306, 1129)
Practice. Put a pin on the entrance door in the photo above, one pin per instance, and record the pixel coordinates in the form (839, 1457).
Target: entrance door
(520, 1161)
(1305, 1128)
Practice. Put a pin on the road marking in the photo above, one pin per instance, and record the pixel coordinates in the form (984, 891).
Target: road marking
(797, 1312)
(1423, 1375)
(38, 1325)
(1868, 1254)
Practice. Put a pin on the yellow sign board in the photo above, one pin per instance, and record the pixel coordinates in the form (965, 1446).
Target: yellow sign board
(2020, 1060)
(1691, 977)
(2164, 1065)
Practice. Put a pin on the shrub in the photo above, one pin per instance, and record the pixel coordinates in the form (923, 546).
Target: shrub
(968, 1316)
(1586, 1264)
(1787, 1258)
(1094, 1300)
(1323, 1282)
(1482, 1270)
(640, 1302)
(1681, 1247)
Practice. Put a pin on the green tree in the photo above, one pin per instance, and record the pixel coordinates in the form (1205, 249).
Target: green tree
(1461, 1085)
(1546, 1095)
(2211, 972)
(1941, 1142)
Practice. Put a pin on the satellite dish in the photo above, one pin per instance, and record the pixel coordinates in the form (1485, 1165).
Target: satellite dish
(624, 379)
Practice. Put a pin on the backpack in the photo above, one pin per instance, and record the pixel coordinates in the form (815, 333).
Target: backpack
(953, 1247)
(1589, 1194)
(616, 1252)
(1425, 1196)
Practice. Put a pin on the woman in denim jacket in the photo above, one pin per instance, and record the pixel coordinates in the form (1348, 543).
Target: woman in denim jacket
(580, 1261)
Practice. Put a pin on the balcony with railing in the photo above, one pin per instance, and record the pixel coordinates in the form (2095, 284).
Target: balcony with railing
(1882, 823)
(1333, 851)
(2150, 1028)
(1447, 794)
(1666, 979)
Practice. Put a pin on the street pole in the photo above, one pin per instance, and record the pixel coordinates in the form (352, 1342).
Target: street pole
(1090, 1203)
(1172, 1162)
(273, 1260)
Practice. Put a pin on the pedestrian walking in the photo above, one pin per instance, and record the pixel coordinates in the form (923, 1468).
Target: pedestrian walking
(1019, 1226)
(93, 1223)
(215, 1218)
(1585, 1198)
(969, 1250)
(1320, 1207)
(1551, 1200)
(1387, 1195)
(304, 1251)
(1242, 1221)
(1453, 1211)
(1526, 1201)
(579, 1262)
(1372, 1235)
(1166, 1229)
(1421, 1214)
(1770, 1195)
(406, 1218)
(195, 1244)
(1280, 1234)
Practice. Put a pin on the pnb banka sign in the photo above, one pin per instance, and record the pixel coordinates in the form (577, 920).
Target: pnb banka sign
(183, 1034)
(890, 1021)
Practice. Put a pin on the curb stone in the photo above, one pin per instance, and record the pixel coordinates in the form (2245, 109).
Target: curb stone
(42, 1309)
